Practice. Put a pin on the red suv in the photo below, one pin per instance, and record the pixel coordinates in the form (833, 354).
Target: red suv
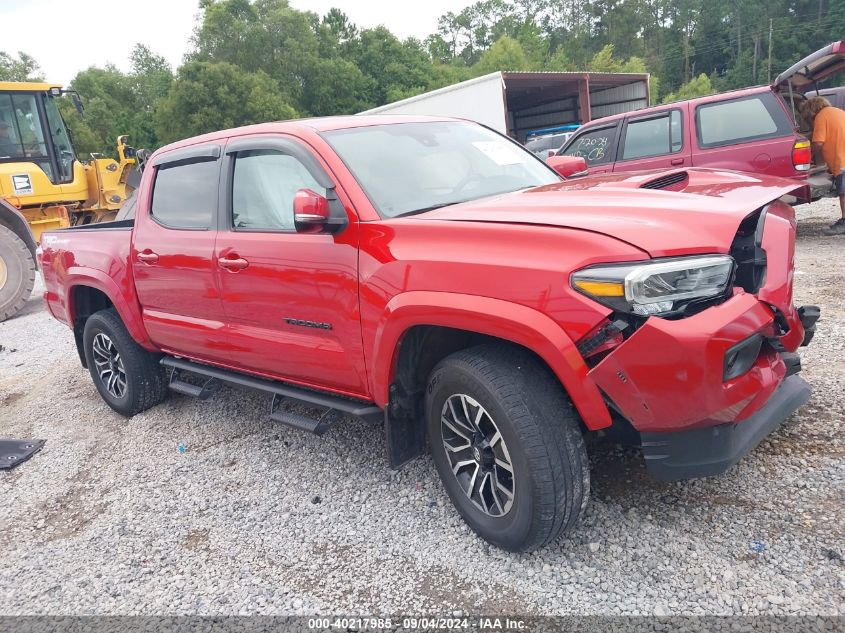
(754, 130)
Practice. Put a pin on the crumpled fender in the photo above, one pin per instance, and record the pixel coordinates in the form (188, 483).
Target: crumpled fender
(494, 317)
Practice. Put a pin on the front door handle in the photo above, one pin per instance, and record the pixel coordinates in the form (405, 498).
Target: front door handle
(148, 257)
(231, 263)
(676, 161)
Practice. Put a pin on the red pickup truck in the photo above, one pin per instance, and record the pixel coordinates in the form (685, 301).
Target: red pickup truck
(435, 275)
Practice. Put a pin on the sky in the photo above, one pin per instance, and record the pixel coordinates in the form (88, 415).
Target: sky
(66, 36)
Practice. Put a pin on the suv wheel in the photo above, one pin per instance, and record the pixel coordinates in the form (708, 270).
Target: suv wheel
(128, 377)
(507, 445)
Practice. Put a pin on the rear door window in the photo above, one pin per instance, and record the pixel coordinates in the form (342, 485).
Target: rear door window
(654, 136)
(185, 195)
(735, 121)
(595, 146)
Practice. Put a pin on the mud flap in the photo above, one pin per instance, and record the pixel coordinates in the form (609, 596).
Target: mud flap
(14, 452)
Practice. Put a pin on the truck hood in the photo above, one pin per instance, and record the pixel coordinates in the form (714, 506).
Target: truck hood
(663, 213)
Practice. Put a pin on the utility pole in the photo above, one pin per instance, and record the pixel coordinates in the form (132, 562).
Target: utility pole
(770, 52)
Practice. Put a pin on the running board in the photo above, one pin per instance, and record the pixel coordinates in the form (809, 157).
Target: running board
(317, 426)
(203, 391)
(364, 410)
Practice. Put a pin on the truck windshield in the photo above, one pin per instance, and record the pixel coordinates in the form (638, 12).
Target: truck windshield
(407, 168)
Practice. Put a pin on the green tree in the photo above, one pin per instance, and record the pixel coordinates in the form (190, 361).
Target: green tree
(336, 86)
(213, 96)
(20, 68)
(603, 61)
(560, 61)
(395, 67)
(505, 54)
(85, 140)
(110, 110)
(265, 35)
(695, 87)
(151, 76)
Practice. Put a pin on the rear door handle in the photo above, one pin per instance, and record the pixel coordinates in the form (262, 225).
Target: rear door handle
(232, 263)
(148, 257)
(676, 161)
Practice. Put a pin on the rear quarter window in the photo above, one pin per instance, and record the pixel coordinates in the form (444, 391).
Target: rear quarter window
(185, 195)
(740, 120)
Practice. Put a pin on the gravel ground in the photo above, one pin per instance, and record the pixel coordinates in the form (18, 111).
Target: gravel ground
(113, 517)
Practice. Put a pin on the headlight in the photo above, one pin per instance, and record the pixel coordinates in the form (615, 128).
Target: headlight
(656, 287)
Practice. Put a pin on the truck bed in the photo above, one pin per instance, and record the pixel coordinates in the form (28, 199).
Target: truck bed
(98, 254)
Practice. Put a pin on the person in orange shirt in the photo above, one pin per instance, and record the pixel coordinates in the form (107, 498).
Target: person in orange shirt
(829, 143)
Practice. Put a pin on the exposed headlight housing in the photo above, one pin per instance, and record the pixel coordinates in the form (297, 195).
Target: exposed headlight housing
(658, 287)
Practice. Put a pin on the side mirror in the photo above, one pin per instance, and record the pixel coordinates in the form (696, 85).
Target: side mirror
(77, 103)
(312, 213)
(568, 166)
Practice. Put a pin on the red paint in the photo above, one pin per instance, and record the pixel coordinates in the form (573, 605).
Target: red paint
(498, 266)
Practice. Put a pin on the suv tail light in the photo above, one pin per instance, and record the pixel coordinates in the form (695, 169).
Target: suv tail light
(802, 157)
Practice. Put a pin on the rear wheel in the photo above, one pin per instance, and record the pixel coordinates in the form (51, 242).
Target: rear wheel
(17, 273)
(128, 377)
(507, 445)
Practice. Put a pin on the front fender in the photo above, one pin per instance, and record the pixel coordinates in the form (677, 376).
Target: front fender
(129, 312)
(502, 319)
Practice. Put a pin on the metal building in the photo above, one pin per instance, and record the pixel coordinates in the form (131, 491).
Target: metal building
(518, 103)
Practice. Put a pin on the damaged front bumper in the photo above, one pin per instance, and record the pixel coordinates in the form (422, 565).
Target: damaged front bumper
(704, 390)
(712, 450)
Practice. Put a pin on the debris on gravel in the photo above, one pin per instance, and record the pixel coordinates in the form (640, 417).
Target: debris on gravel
(208, 508)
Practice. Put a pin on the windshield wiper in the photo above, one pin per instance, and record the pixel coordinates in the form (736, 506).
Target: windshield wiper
(431, 208)
(449, 204)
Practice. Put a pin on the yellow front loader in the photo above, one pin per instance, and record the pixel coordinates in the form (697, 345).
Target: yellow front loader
(43, 183)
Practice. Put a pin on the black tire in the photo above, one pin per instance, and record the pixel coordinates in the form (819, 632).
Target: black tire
(145, 379)
(540, 429)
(17, 273)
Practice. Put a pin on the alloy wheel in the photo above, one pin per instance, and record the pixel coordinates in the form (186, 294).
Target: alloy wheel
(109, 365)
(477, 454)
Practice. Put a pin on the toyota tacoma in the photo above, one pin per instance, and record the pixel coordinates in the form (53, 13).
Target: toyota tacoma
(434, 276)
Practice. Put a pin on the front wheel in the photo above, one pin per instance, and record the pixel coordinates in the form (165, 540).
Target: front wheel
(507, 445)
(128, 377)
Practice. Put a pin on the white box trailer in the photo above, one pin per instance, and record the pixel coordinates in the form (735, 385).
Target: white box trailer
(518, 103)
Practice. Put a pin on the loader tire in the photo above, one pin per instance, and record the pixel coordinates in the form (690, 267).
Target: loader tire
(17, 273)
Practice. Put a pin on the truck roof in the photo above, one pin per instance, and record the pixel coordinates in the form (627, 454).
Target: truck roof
(717, 96)
(318, 124)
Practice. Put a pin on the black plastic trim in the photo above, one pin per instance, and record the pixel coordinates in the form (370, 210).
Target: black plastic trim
(285, 146)
(186, 155)
(808, 315)
(711, 451)
(100, 226)
(740, 357)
